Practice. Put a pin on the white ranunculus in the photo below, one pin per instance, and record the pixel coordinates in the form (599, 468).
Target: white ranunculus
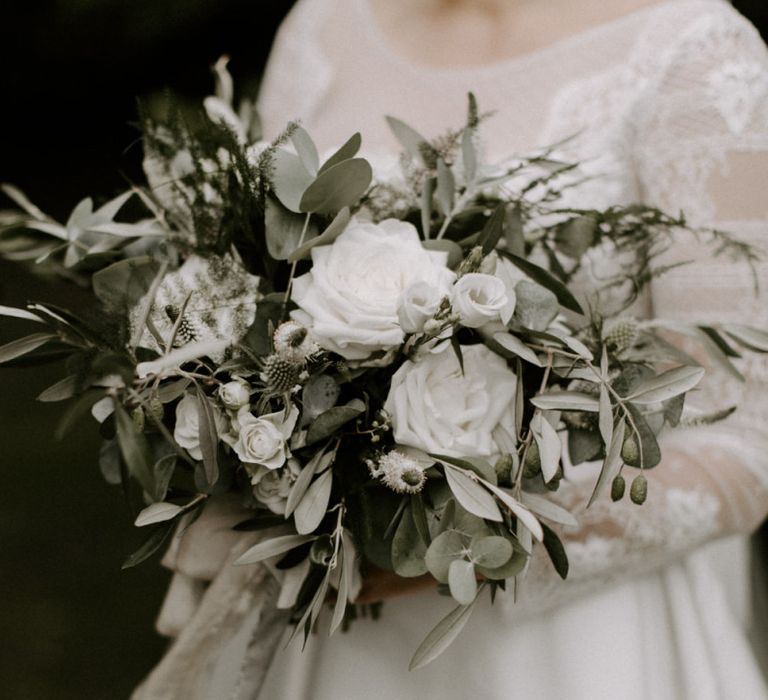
(186, 432)
(272, 486)
(478, 298)
(440, 409)
(419, 303)
(350, 298)
(235, 394)
(262, 440)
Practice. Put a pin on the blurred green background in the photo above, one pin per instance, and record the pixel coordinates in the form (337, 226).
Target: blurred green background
(72, 624)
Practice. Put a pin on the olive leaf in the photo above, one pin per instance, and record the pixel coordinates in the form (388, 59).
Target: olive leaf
(314, 505)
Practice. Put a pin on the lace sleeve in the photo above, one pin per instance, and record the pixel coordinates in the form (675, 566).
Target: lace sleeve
(298, 72)
(700, 145)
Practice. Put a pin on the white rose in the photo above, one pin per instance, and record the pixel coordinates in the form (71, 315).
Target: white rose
(262, 440)
(235, 394)
(351, 296)
(186, 432)
(418, 304)
(437, 408)
(478, 298)
(272, 486)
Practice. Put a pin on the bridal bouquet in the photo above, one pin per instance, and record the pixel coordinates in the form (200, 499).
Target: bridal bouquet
(389, 365)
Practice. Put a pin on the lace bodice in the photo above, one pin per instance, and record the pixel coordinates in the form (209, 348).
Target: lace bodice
(670, 106)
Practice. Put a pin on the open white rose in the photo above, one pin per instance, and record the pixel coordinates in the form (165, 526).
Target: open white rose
(351, 296)
(478, 298)
(262, 440)
(272, 486)
(437, 408)
(418, 303)
(186, 432)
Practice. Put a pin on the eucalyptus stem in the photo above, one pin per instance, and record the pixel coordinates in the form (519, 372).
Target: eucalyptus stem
(295, 262)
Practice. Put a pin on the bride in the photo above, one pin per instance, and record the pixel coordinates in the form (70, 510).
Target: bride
(669, 102)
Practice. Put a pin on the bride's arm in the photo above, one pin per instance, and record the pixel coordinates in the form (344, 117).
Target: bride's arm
(700, 146)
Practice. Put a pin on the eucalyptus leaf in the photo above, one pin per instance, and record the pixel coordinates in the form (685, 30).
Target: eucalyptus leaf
(290, 179)
(752, 338)
(605, 415)
(612, 461)
(445, 548)
(667, 385)
(306, 149)
(442, 636)
(22, 346)
(157, 536)
(566, 401)
(517, 347)
(576, 236)
(455, 253)
(493, 229)
(523, 515)
(60, 391)
(283, 229)
(327, 423)
(314, 505)
(446, 186)
(347, 151)
(334, 230)
(157, 513)
(272, 547)
(412, 140)
(134, 448)
(209, 437)
(556, 552)
(547, 280)
(408, 548)
(11, 312)
(302, 482)
(471, 495)
(547, 509)
(462, 582)
(491, 552)
(340, 186)
(536, 306)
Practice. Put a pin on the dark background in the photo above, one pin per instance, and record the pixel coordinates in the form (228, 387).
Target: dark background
(72, 624)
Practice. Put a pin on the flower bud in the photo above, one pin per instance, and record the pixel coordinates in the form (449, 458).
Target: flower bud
(532, 464)
(630, 452)
(618, 487)
(638, 492)
(137, 415)
(418, 304)
(235, 394)
(503, 467)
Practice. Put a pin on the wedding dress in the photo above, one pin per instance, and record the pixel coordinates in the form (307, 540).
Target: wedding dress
(670, 107)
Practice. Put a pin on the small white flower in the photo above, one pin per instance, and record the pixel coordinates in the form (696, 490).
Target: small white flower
(186, 432)
(272, 486)
(400, 472)
(294, 343)
(418, 304)
(478, 298)
(235, 394)
(262, 440)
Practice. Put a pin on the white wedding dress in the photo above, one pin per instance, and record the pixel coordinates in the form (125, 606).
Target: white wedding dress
(670, 105)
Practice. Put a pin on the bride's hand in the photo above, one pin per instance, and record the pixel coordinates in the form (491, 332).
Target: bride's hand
(380, 584)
